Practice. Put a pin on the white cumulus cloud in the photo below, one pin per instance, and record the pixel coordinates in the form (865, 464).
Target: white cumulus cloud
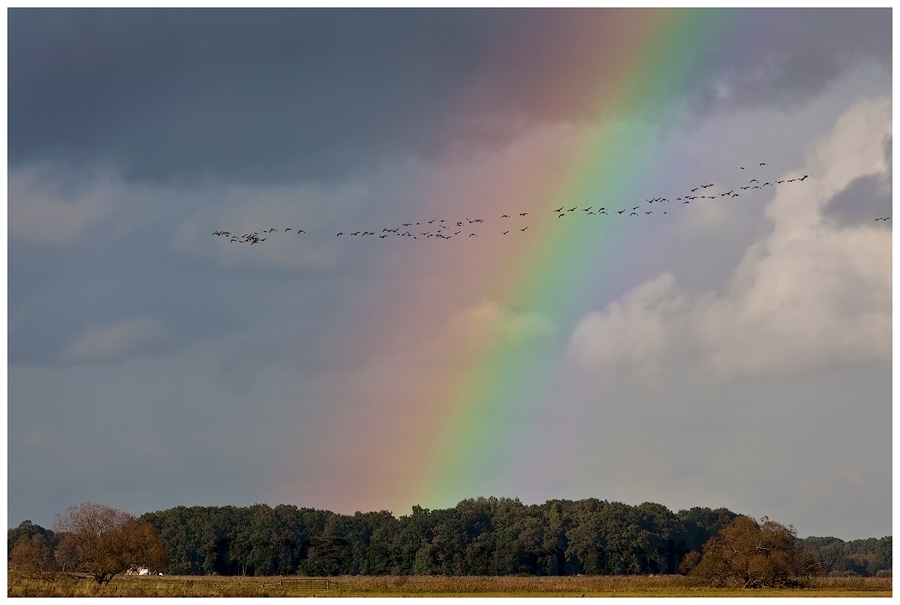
(810, 294)
(636, 331)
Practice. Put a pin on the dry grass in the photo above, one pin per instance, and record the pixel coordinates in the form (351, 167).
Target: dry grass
(424, 586)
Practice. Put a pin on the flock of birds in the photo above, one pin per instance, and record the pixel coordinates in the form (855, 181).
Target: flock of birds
(469, 227)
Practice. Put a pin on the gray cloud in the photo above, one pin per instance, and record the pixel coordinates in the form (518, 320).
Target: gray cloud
(781, 58)
(312, 93)
(117, 341)
(53, 204)
(134, 134)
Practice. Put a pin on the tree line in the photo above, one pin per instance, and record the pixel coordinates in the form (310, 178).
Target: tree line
(481, 536)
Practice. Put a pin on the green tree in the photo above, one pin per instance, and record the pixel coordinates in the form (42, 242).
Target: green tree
(109, 541)
(701, 523)
(885, 552)
(27, 530)
(751, 554)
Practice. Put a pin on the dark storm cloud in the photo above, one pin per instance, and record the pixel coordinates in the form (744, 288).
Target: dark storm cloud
(269, 94)
(258, 92)
(783, 57)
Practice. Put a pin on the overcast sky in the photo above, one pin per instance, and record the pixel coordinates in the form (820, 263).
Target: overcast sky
(734, 351)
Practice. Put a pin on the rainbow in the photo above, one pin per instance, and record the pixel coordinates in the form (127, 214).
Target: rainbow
(662, 47)
(450, 432)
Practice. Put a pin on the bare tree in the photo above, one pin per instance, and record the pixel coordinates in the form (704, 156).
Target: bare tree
(109, 541)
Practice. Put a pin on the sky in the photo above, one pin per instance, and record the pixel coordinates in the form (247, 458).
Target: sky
(458, 317)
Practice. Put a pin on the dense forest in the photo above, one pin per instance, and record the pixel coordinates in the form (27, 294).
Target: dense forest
(483, 536)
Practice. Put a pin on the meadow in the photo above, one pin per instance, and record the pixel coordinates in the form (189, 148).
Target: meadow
(424, 586)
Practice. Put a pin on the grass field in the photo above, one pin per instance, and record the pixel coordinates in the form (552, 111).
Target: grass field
(423, 586)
